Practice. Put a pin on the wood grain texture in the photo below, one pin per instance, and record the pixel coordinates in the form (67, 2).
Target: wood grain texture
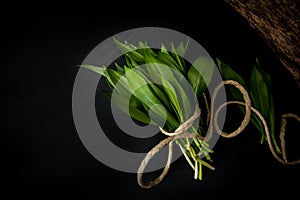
(277, 22)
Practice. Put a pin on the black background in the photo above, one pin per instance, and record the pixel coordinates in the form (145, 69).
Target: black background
(43, 155)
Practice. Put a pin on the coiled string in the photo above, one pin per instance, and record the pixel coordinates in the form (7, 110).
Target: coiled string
(182, 132)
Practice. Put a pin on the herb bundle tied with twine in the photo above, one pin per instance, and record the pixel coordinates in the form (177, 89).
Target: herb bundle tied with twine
(157, 97)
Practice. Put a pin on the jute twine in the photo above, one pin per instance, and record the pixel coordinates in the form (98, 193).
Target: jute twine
(182, 132)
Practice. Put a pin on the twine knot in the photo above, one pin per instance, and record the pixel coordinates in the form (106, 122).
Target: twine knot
(182, 132)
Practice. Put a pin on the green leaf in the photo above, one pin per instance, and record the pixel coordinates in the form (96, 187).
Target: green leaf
(179, 59)
(165, 58)
(130, 50)
(171, 93)
(164, 49)
(172, 82)
(140, 88)
(150, 58)
(181, 49)
(107, 94)
(229, 74)
(130, 45)
(145, 49)
(119, 68)
(98, 70)
(200, 73)
(135, 82)
(162, 74)
(260, 93)
(113, 77)
(161, 96)
(180, 52)
(132, 107)
(131, 63)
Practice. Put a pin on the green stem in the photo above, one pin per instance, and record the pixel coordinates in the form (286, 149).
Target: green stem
(186, 156)
(196, 170)
(200, 171)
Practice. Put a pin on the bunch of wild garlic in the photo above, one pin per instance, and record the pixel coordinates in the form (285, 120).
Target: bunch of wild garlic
(153, 81)
(158, 85)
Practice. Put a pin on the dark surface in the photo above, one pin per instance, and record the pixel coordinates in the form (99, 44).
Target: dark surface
(43, 155)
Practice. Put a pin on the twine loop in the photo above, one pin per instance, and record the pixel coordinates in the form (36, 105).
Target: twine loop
(182, 132)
